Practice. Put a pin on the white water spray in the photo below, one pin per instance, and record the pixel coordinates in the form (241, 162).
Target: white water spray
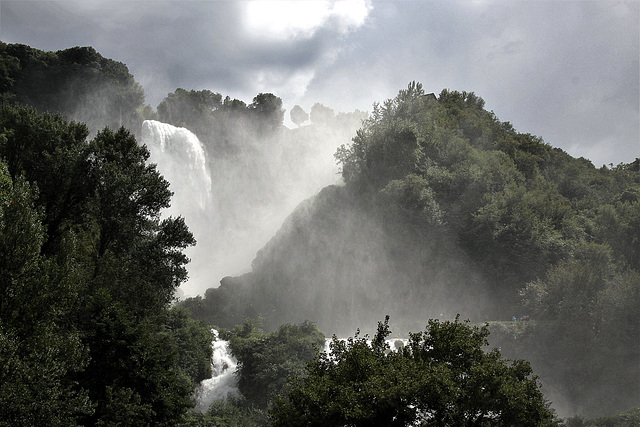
(234, 201)
(223, 382)
(180, 157)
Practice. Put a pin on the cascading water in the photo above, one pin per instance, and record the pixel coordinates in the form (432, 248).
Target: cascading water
(223, 382)
(180, 157)
(234, 203)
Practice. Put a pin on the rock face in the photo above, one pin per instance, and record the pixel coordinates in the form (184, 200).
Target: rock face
(341, 262)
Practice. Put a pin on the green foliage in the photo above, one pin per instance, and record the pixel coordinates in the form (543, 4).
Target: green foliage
(629, 418)
(516, 204)
(128, 197)
(414, 197)
(53, 154)
(442, 377)
(132, 363)
(193, 343)
(234, 412)
(267, 108)
(265, 361)
(321, 114)
(182, 108)
(77, 82)
(237, 413)
(223, 125)
(519, 232)
(591, 316)
(89, 270)
(618, 225)
(37, 353)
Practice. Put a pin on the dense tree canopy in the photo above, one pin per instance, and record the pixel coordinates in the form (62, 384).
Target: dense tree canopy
(37, 351)
(542, 226)
(509, 197)
(442, 377)
(267, 360)
(88, 271)
(78, 83)
(223, 125)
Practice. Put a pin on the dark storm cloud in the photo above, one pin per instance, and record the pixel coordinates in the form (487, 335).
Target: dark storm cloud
(165, 44)
(563, 70)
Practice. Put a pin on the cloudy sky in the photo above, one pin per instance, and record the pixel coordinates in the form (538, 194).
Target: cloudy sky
(567, 71)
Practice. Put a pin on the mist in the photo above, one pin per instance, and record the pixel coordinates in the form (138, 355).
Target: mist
(342, 265)
(235, 191)
(272, 218)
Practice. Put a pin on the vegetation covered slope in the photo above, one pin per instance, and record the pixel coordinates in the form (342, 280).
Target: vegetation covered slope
(448, 210)
(439, 195)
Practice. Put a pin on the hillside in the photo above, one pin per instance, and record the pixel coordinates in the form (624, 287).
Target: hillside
(446, 210)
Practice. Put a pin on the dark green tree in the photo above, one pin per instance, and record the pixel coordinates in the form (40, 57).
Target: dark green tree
(265, 361)
(267, 110)
(38, 352)
(442, 377)
(90, 270)
(78, 83)
(590, 314)
(135, 250)
(191, 109)
(192, 340)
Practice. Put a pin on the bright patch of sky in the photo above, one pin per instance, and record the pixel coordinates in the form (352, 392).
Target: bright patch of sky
(285, 20)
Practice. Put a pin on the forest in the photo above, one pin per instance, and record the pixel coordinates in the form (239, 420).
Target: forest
(444, 213)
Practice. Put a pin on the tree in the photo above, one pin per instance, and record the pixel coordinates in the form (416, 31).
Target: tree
(589, 313)
(442, 377)
(267, 109)
(53, 154)
(265, 361)
(77, 82)
(37, 353)
(321, 115)
(191, 109)
(192, 340)
(88, 271)
(298, 115)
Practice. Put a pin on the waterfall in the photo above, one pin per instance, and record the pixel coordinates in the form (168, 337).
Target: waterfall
(234, 201)
(223, 382)
(181, 159)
